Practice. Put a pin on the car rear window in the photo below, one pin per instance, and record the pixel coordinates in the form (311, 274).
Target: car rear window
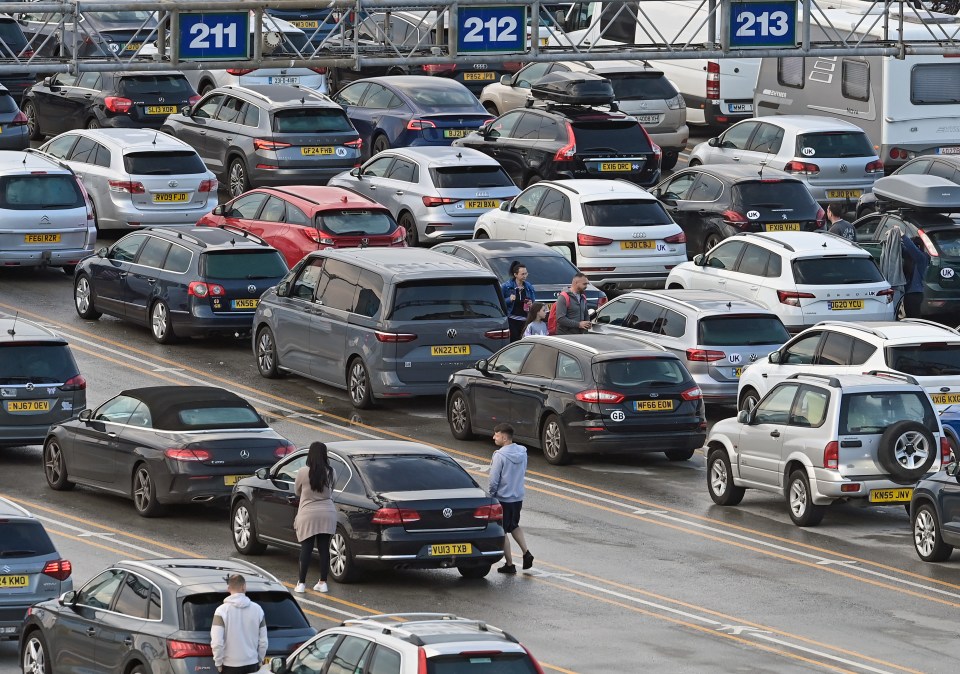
(742, 330)
(279, 610)
(23, 539)
(412, 473)
(255, 264)
(545, 269)
(625, 213)
(611, 135)
(311, 120)
(456, 177)
(218, 417)
(163, 163)
(7, 104)
(443, 97)
(925, 360)
(872, 413)
(774, 194)
(481, 663)
(156, 85)
(833, 144)
(36, 192)
(836, 270)
(356, 223)
(631, 86)
(947, 242)
(443, 299)
(13, 39)
(36, 363)
(624, 374)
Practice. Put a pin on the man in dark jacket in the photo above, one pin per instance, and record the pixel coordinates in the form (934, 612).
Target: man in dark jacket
(572, 308)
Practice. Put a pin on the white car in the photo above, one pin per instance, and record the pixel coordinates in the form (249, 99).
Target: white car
(803, 277)
(617, 233)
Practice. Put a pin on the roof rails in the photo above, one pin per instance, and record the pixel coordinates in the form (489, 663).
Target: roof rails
(242, 232)
(560, 184)
(837, 237)
(314, 201)
(399, 619)
(888, 374)
(155, 569)
(257, 569)
(763, 236)
(201, 564)
(179, 234)
(932, 324)
(247, 91)
(16, 506)
(855, 326)
(832, 381)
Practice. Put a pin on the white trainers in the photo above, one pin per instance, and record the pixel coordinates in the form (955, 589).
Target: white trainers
(321, 586)
(301, 588)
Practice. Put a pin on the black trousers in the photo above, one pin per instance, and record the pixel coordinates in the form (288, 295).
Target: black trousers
(911, 304)
(246, 669)
(322, 541)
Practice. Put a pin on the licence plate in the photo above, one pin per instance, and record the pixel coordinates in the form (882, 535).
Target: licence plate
(544, 41)
(133, 46)
(638, 245)
(740, 107)
(306, 24)
(891, 495)
(230, 480)
(28, 406)
(844, 305)
(447, 549)
(14, 581)
(482, 203)
(782, 227)
(161, 109)
(949, 150)
(243, 304)
(648, 119)
(844, 194)
(170, 197)
(455, 133)
(453, 350)
(653, 405)
(616, 166)
(479, 77)
(283, 80)
(737, 371)
(316, 150)
(945, 398)
(41, 238)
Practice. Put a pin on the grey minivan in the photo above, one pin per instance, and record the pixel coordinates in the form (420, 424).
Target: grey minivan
(380, 322)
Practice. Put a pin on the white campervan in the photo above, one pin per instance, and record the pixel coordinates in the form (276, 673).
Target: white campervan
(907, 107)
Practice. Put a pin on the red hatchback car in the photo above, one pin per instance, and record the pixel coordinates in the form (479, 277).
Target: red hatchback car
(298, 219)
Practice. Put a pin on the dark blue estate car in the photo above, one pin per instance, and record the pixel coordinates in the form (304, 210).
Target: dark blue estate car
(935, 513)
(180, 282)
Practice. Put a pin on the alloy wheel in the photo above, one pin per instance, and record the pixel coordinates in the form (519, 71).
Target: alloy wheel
(266, 352)
(911, 450)
(551, 439)
(141, 489)
(338, 555)
(458, 413)
(53, 462)
(798, 498)
(34, 658)
(160, 321)
(82, 295)
(718, 477)
(358, 382)
(925, 532)
(241, 526)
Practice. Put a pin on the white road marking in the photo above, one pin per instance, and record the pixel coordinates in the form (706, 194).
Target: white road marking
(99, 534)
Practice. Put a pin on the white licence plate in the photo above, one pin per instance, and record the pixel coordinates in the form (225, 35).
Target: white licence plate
(740, 107)
(648, 119)
(949, 150)
(283, 80)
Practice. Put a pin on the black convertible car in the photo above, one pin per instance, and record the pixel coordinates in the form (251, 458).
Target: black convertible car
(163, 444)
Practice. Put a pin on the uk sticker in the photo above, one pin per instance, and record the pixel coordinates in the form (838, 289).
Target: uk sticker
(807, 151)
(617, 415)
(753, 215)
(735, 358)
(947, 272)
(341, 151)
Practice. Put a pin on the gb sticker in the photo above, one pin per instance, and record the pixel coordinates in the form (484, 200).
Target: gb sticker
(617, 415)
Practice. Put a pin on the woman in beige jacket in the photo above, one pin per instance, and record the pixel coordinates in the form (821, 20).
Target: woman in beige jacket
(316, 519)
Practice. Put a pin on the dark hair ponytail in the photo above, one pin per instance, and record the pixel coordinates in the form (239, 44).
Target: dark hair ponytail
(321, 474)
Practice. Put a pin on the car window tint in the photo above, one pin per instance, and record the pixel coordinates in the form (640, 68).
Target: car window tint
(280, 610)
(369, 302)
(349, 656)
(736, 137)
(440, 95)
(861, 351)
(102, 157)
(640, 86)
(629, 374)
(165, 85)
(141, 417)
(125, 250)
(616, 135)
(231, 110)
(615, 312)
(25, 536)
(312, 120)
(944, 170)
(753, 261)
(382, 98)
(338, 285)
(154, 606)
(488, 663)
(768, 139)
(542, 362)
(526, 202)
(873, 413)
(625, 213)
(212, 416)
(89, 80)
(645, 316)
(867, 227)
(313, 656)
(163, 162)
(465, 254)
(529, 127)
(503, 127)
(385, 661)
(60, 147)
(742, 330)
(412, 472)
(251, 116)
(801, 351)
(153, 253)
(836, 270)
(295, 216)
(84, 150)
(810, 408)
(98, 593)
(833, 144)
(447, 300)
(836, 349)
(50, 363)
(707, 188)
(510, 360)
(351, 94)
(530, 74)
(133, 599)
(725, 255)
(679, 187)
(246, 207)
(671, 324)
(208, 107)
(248, 265)
(341, 474)
(378, 168)
(306, 281)
(933, 359)
(40, 192)
(117, 410)
(775, 408)
(774, 266)
(403, 169)
(273, 210)
(568, 367)
(288, 471)
(916, 167)
(470, 176)
(65, 79)
(552, 206)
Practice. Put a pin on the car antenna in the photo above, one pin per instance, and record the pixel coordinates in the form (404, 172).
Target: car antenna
(459, 155)
(155, 136)
(729, 305)
(12, 330)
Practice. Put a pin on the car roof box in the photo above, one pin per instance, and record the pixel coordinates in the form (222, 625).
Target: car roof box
(574, 89)
(918, 192)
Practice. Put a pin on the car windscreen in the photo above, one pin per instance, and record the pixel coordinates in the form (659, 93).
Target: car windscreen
(836, 270)
(481, 663)
(40, 192)
(23, 539)
(356, 223)
(447, 299)
(631, 86)
(873, 413)
(742, 330)
(311, 120)
(833, 145)
(932, 359)
(412, 473)
(647, 373)
(465, 177)
(774, 194)
(163, 163)
(36, 363)
(610, 135)
(176, 86)
(280, 611)
(256, 264)
(543, 269)
(625, 213)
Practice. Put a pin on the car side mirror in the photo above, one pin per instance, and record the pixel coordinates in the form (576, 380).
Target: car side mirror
(355, 172)
(277, 665)
(666, 201)
(482, 365)
(698, 259)
(218, 210)
(262, 473)
(506, 80)
(591, 314)
(85, 415)
(48, 81)
(186, 110)
(714, 142)
(102, 252)
(505, 205)
(774, 357)
(743, 417)
(69, 597)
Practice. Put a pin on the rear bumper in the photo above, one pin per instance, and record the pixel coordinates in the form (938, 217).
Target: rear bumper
(672, 141)
(827, 485)
(628, 281)
(44, 258)
(297, 176)
(204, 321)
(724, 393)
(440, 227)
(121, 215)
(648, 442)
(17, 436)
(412, 550)
(15, 138)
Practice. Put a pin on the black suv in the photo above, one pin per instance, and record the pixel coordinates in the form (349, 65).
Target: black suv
(180, 282)
(128, 100)
(557, 138)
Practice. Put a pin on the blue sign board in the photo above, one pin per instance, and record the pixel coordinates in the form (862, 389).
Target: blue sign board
(492, 30)
(762, 24)
(218, 36)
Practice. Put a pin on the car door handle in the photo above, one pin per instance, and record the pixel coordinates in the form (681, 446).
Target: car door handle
(229, 138)
(151, 281)
(735, 158)
(203, 133)
(111, 434)
(549, 232)
(373, 187)
(91, 632)
(764, 375)
(399, 193)
(128, 641)
(79, 175)
(123, 274)
(774, 434)
(521, 226)
(754, 287)
(88, 95)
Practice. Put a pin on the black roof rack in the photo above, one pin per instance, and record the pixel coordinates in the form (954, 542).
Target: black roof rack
(561, 184)
(177, 233)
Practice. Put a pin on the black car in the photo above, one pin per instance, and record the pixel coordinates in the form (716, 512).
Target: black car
(162, 444)
(575, 394)
(198, 281)
(93, 100)
(935, 517)
(152, 617)
(399, 505)
(712, 202)
(117, 32)
(945, 166)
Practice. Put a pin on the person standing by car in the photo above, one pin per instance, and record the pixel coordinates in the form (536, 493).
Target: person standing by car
(519, 295)
(571, 308)
(536, 320)
(915, 262)
(238, 635)
(838, 225)
(507, 471)
(316, 519)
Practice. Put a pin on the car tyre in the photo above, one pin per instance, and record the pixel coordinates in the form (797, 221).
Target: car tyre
(408, 222)
(458, 416)
(553, 442)
(720, 480)
(161, 325)
(343, 567)
(475, 572)
(244, 528)
(268, 363)
(800, 505)
(237, 180)
(532, 179)
(358, 384)
(694, 162)
(680, 454)
(380, 143)
(55, 466)
(145, 493)
(906, 451)
(748, 399)
(481, 235)
(83, 299)
(669, 161)
(712, 239)
(93, 123)
(34, 655)
(33, 122)
(927, 538)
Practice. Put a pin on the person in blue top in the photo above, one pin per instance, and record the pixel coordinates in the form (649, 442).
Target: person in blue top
(915, 262)
(519, 296)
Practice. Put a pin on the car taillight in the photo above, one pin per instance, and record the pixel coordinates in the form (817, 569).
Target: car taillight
(319, 71)
(19, 119)
(187, 454)
(601, 301)
(193, 100)
(590, 240)
(946, 451)
(315, 236)
(821, 218)
(439, 68)
(831, 455)
(264, 144)
(128, 186)
(239, 71)
(735, 218)
(420, 125)
(438, 201)
(596, 395)
(399, 236)
(201, 289)
(497, 334)
(58, 568)
(282, 450)
(692, 393)
(899, 153)
(713, 80)
(704, 355)
(676, 238)
(533, 661)
(421, 660)
(792, 299)
(888, 293)
(802, 168)
(875, 166)
(395, 516)
(927, 244)
(208, 185)
(117, 104)
(394, 337)
(491, 513)
(177, 650)
(355, 144)
(77, 383)
(568, 151)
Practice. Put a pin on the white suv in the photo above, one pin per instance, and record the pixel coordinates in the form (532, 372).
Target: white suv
(803, 277)
(927, 351)
(818, 439)
(617, 233)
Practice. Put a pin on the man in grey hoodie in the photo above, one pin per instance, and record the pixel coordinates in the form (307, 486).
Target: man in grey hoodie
(238, 635)
(507, 471)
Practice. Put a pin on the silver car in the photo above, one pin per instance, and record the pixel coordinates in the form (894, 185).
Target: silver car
(137, 177)
(435, 193)
(715, 333)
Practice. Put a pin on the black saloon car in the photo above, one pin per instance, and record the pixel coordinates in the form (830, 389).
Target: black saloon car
(152, 617)
(587, 393)
(711, 203)
(936, 519)
(179, 282)
(399, 505)
(162, 444)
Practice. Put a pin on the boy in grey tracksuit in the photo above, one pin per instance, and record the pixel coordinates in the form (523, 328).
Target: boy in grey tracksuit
(238, 635)
(506, 485)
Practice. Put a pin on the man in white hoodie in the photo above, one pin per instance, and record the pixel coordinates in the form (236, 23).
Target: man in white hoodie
(238, 635)
(507, 471)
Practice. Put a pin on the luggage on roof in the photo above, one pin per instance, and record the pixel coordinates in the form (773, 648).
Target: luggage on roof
(915, 191)
(573, 89)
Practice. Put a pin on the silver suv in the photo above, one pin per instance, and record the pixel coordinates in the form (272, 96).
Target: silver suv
(715, 333)
(821, 439)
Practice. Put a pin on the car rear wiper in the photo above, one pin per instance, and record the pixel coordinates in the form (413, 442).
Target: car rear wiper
(356, 232)
(256, 276)
(661, 383)
(17, 553)
(157, 172)
(770, 206)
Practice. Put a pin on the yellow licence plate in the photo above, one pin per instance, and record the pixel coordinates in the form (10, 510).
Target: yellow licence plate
(28, 406)
(133, 46)
(653, 405)
(945, 398)
(783, 227)
(482, 203)
(844, 305)
(616, 166)
(170, 197)
(41, 238)
(891, 495)
(244, 304)
(306, 24)
(453, 350)
(844, 194)
(638, 245)
(14, 581)
(455, 133)
(479, 77)
(230, 480)
(316, 150)
(447, 549)
(737, 372)
(161, 109)
(544, 41)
